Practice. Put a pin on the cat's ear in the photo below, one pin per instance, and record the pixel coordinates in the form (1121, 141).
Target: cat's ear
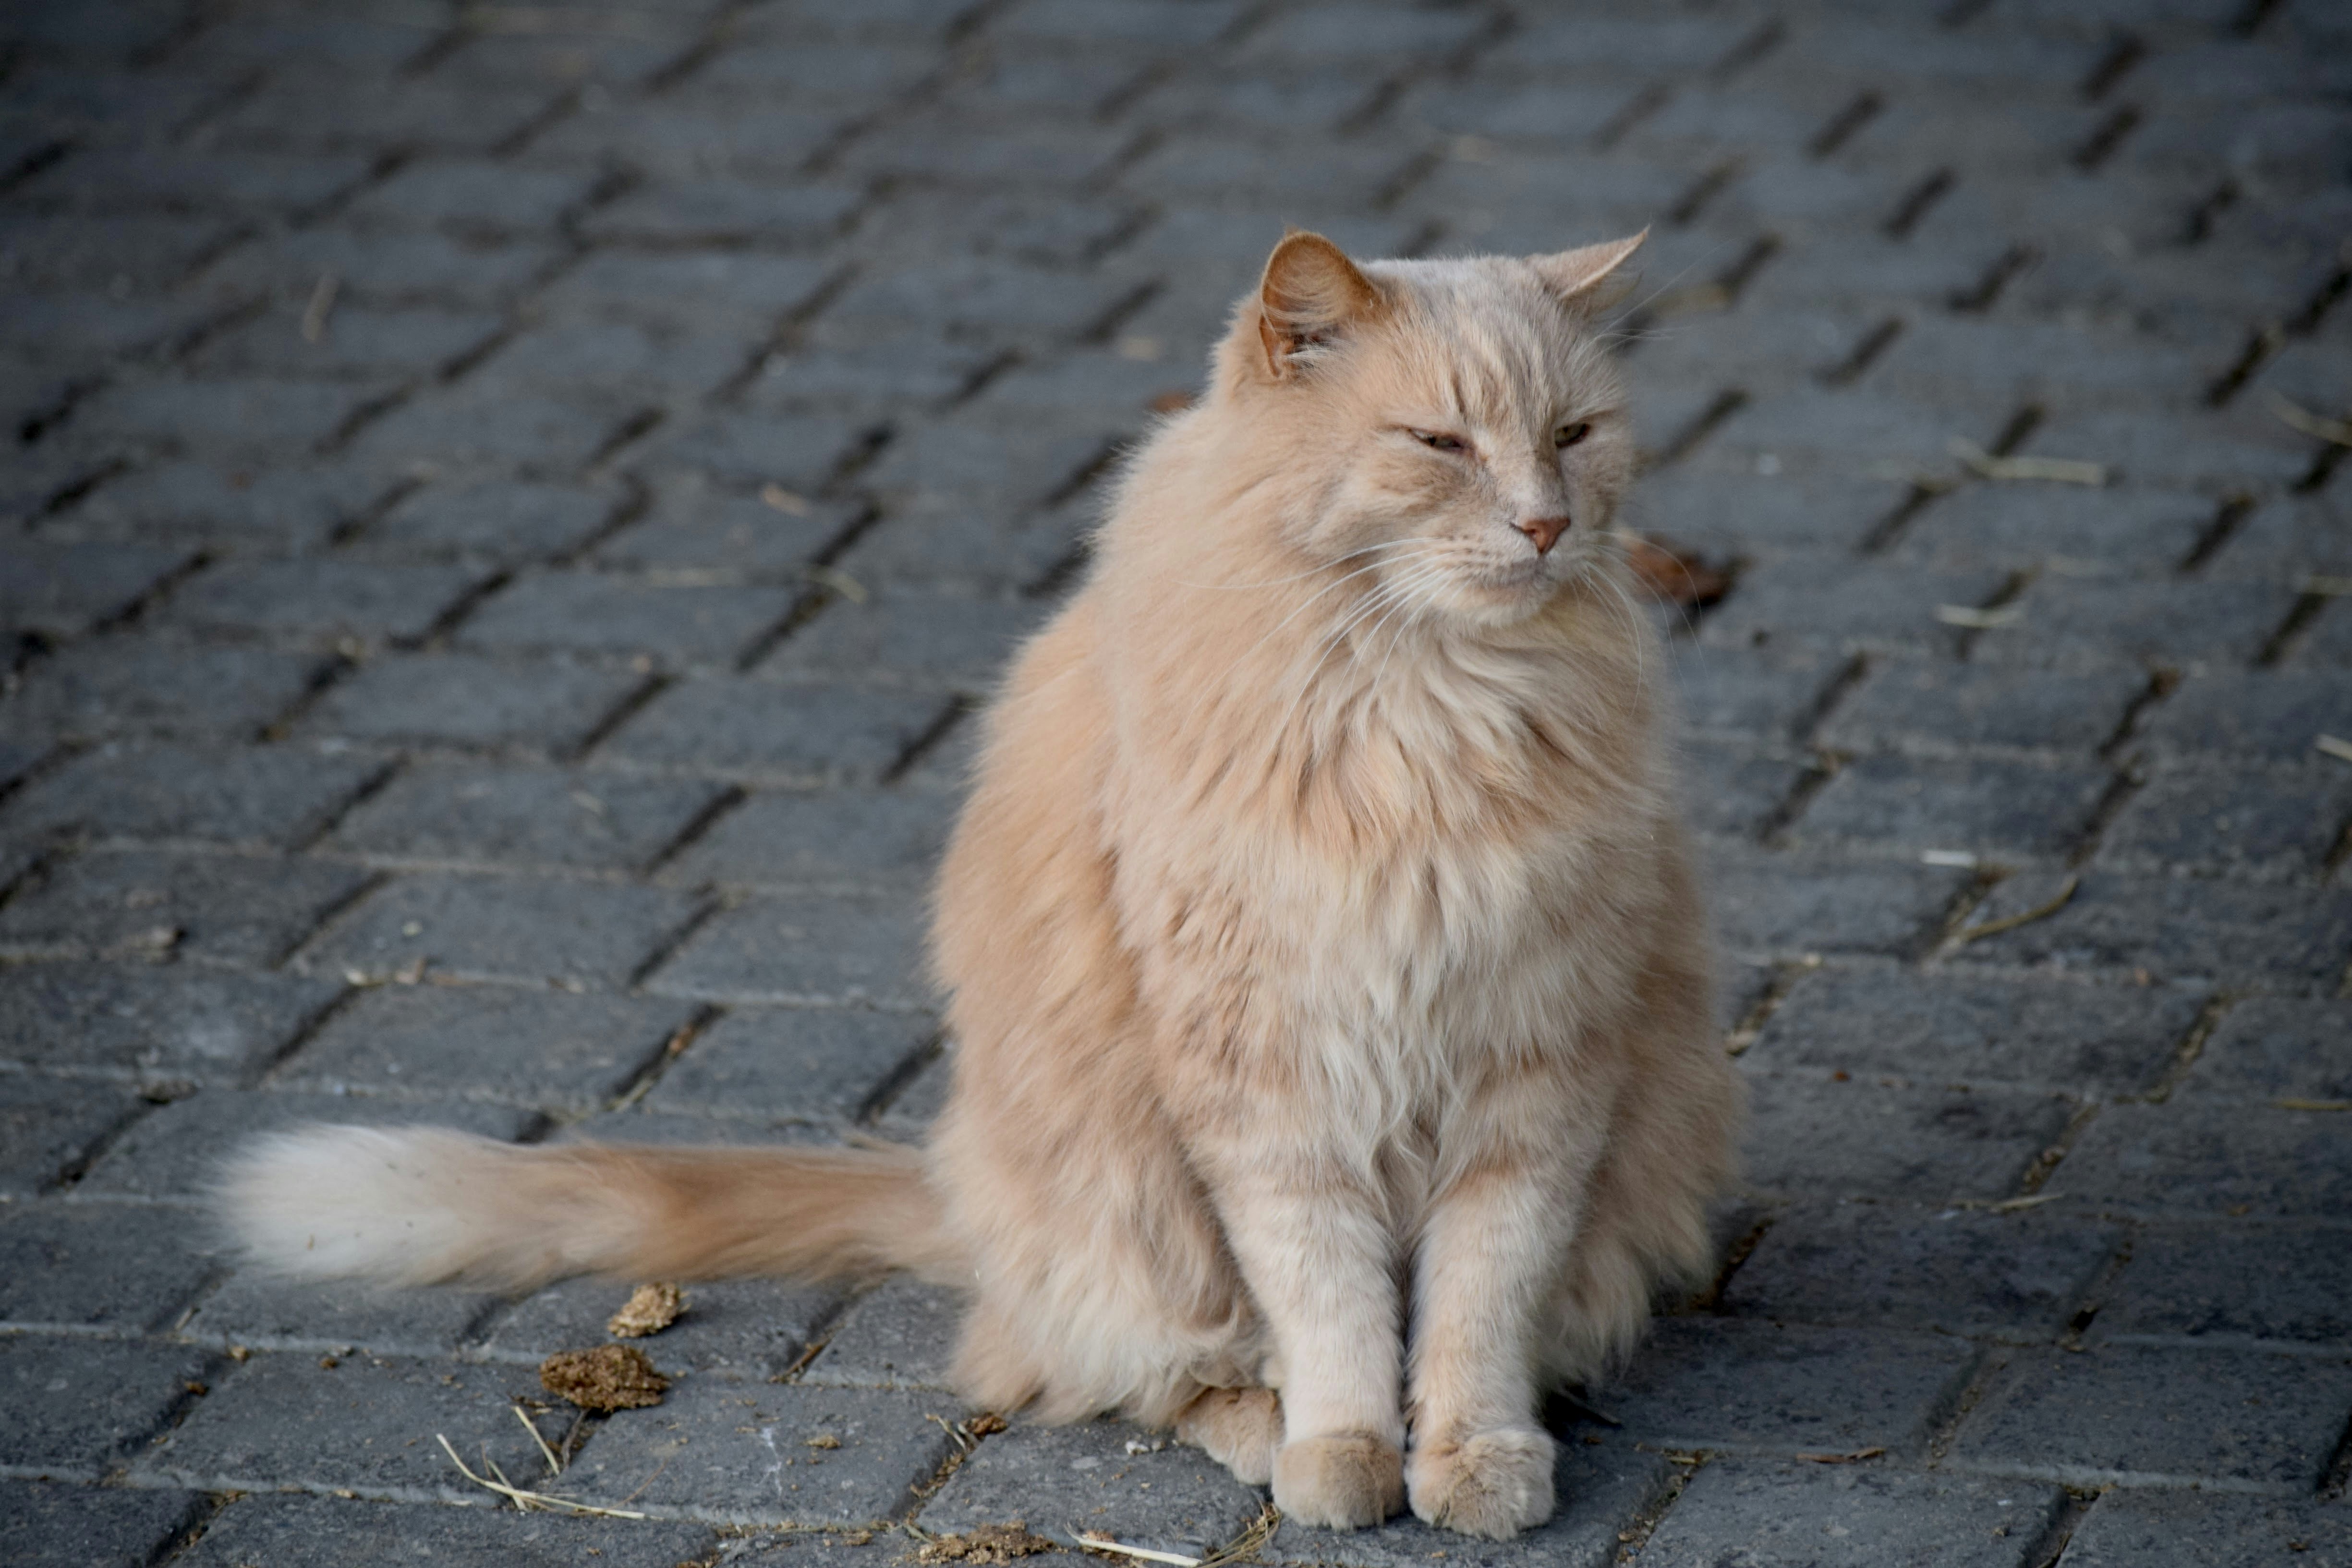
(1580, 277)
(1311, 292)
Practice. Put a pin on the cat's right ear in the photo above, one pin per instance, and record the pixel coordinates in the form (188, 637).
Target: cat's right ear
(1311, 292)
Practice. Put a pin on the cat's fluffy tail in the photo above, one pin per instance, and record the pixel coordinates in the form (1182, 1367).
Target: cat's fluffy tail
(418, 1205)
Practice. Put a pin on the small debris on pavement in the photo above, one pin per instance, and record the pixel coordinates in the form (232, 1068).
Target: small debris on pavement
(609, 1377)
(987, 1544)
(650, 1309)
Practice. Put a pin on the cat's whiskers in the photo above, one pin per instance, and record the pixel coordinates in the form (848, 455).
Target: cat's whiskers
(1314, 570)
(1307, 603)
(1379, 599)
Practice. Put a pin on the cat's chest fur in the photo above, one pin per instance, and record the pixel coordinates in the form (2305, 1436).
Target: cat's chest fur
(1435, 879)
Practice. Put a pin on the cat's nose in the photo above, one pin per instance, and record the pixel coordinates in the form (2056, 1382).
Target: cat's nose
(1544, 530)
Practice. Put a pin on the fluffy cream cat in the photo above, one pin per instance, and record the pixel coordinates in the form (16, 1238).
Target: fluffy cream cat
(1333, 1063)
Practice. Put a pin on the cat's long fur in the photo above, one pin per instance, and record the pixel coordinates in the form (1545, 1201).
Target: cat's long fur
(1333, 1060)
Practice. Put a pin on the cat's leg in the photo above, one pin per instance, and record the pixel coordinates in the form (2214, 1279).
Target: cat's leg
(1238, 1427)
(1316, 1249)
(1516, 1156)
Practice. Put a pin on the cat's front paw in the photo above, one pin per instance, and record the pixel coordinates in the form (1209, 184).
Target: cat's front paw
(1238, 1427)
(1493, 1484)
(1345, 1482)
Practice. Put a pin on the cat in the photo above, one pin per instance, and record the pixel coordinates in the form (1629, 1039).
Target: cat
(1333, 1063)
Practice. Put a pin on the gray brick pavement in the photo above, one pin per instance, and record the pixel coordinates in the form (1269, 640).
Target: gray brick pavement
(508, 518)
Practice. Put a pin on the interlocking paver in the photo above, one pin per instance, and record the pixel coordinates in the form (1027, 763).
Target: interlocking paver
(421, 422)
(52, 1525)
(115, 1394)
(521, 931)
(2138, 1413)
(1781, 1515)
(2012, 1275)
(532, 1046)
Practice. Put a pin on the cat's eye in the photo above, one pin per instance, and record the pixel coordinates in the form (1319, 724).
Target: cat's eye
(1438, 440)
(1569, 434)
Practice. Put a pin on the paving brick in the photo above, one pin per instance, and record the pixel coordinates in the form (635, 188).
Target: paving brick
(1957, 1028)
(156, 1022)
(276, 507)
(2269, 715)
(2139, 1413)
(470, 194)
(928, 641)
(530, 1048)
(2277, 1048)
(1827, 601)
(1781, 1515)
(1782, 512)
(804, 949)
(2107, 531)
(292, 1531)
(528, 932)
(1942, 708)
(232, 909)
(981, 298)
(238, 417)
(903, 1335)
(673, 140)
(2290, 536)
(482, 428)
(174, 1155)
(1757, 696)
(465, 812)
(263, 796)
(789, 1064)
(717, 210)
(818, 73)
(51, 1524)
(109, 687)
(355, 341)
(1704, 1382)
(1994, 807)
(767, 731)
(589, 612)
(929, 545)
(2177, 929)
(2205, 1157)
(1084, 1476)
(375, 114)
(1765, 906)
(259, 1311)
(2202, 1530)
(2010, 1275)
(696, 533)
(753, 1329)
(49, 1126)
(114, 179)
(386, 267)
(65, 589)
(2239, 447)
(729, 286)
(96, 1267)
(466, 700)
(501, 521)
(63, 250)
(621, 357)
(115, 1395)
(2081, 621)
(752, 450)
(1891, 1138)
(1731, 790)
(738, 1450)
(321, 599)
(2327, 645)
(365, 1425)
(2237, 1282)
(2283, 824)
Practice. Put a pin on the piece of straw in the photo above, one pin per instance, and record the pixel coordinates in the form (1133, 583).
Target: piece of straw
(524, 1499)
(2049, 471)
(2010, 922)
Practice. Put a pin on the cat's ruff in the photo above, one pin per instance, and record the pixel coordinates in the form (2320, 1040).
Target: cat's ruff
(1333, 1061)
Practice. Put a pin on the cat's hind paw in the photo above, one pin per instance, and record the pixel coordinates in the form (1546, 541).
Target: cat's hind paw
(1238, 1427)
(1493, 1484)
(1345, 1482)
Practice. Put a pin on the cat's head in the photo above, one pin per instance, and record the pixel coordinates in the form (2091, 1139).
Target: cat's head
(1459, 429)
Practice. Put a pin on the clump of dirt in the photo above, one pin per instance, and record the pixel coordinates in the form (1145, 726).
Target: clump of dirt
(988, 1544)
(610, 1377)
(649, 1310)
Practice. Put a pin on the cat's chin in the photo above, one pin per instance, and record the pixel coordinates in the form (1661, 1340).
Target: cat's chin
(1505, 595)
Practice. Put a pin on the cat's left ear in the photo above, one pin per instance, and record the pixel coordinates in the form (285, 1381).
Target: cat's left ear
(1311, 292)
(1581, 277)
